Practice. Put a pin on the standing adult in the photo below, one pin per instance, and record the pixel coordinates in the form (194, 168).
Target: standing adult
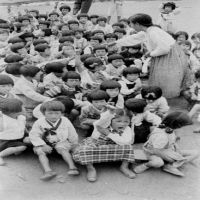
(169, 68)
(83, 5)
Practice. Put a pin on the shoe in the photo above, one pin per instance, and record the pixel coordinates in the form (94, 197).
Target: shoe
(92, 176)
(73, 172)
(172, 170)
(140, 168)
(196, 131)
(48, 175)
(127, 172)
(178, 163)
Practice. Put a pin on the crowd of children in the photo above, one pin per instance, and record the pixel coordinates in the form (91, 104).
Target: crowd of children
(56, 70)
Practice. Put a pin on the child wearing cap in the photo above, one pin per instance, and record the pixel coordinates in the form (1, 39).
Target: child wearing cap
(102, 25)
(73, 24)
(12, 127)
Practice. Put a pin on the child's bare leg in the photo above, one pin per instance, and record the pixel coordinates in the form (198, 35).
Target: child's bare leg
(44, 161)
(190, 155)
(194, 110)
(92, 173)
(125, 170)
(10, 151)
(27, 140)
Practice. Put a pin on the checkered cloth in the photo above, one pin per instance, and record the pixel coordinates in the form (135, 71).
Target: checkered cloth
(102, 150)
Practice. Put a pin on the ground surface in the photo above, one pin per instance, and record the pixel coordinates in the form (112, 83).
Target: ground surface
(19, 180)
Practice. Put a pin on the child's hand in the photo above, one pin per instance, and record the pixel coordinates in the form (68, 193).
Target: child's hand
(47, 149)
(194, 97)
(102, 130)
(111, 107)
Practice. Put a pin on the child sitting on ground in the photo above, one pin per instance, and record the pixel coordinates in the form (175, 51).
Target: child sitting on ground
(80, 43)
(93, 42)
(102, 25)
(112, 88)
(156, 103)
(91, 113)
(54, 131)
(12, 127)
(162, 150)
(130, 82)
(110, 141)
(101, 53)
(181, 36)
(142, 119)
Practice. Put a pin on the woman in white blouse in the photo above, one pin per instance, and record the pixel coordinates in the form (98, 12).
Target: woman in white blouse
(169, 69)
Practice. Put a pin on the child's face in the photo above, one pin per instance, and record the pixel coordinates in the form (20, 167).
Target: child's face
(196, 41)
(68, 50)
(53, 116)
(58, 74)
(120, 35)
(99, 104)
(132, 77)
(167, 9)
(115, 27)
(42, 26)
(93, 20)
(94, 43)
(125, 23)
(25, 22)
(132, 50)
(112, 92)
(65, 28)
(117, 63)
(83, 20)
(73, 26)
(47, 52)
(101, 35)
(78, 35)
(185, 47)
(53, 17)
(65, 11)
(54, 30)
(120, 123)
(5, 89)
(110, 40)
(181, 38)
(72, 83)
(101, 23)
(100, 52)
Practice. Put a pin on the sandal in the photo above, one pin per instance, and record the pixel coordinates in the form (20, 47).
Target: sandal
(127, 172)
(73, 172)
(92, 176)
(48, 175)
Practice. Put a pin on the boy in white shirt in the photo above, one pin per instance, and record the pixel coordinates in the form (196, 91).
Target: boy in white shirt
(102, 25)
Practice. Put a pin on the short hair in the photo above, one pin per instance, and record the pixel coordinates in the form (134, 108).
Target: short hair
(79, 30)
(10, 106)
(65, 39)
(91, 63)
(197, 74)
(23, 18)
(85, 56)
(67, 102)
(100, 47)
(42, 47)
(83, 15)
(18, 26)
(142, 19)
(45, 22)
(111, 35)
(54, 13)
(130, 70)
(65, 7)
(114, 57)
(109, 84)
(177, 119)
(179, 33)
(96, 38)
(124, 20)
(15, 47)
(137, 46)
(97, 95)
(13, 58)
(195, 49)
(47, 32)
(97, 31)
(71, 75)
(61, 25)
(6, 80)
(39, 41)
(118, 24)
(42, 16)
(52, 106)
(73, 22)
(94, 16)
(119, 30)
(186, 42)
(25, 35)
(135, 105)
(68, 33)
(195, 35)
(15, 40)
(149, 90)
(2, 21)
(28, 70)
(13, 68)
(122, 113)
(55, 67)
(172, 4)
(34, 10)
(102, 19)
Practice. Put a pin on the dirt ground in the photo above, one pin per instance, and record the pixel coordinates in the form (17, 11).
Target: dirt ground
(19, 180)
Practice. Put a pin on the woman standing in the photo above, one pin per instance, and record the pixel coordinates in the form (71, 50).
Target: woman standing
(168, 69)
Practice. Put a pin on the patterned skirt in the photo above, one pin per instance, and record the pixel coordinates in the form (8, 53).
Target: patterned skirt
(170, 72)
(102, 150)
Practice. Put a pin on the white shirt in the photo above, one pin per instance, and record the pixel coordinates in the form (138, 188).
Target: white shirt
(107, 29)
(113, 71)
(50, 80)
